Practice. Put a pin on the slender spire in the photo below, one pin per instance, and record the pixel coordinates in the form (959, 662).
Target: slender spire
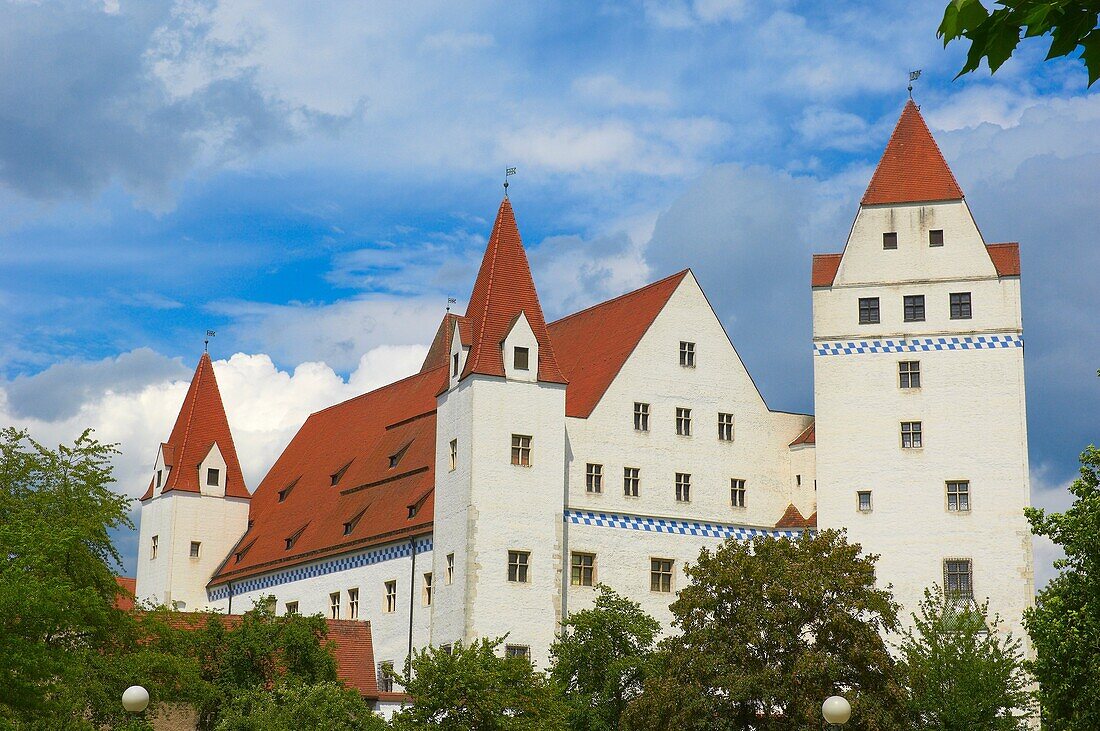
(912, 169)
(503, 289)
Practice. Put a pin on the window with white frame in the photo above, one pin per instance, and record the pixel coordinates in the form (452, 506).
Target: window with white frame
(153, 547)
(426, 598)
(725, 427)
(683, 421)
(389, 600)
(641, 416)
(196, 547)
(519, 563)
(909, 374)
(960, 306)
(958, 579)
(291, 608)
(353, 603)
(958, 496)
(334, 605)
(593, 478)
(631, 478)
(683, 487)
(521, 450)
(868, 310)
(517, 651)
(160, 474)
(450, 568)
(660, 574)
(913, 307)
(687, 354)
(454, 364)
(454, 454)
(863, 501)
(911, 435)
(583, 567)
(737, 492)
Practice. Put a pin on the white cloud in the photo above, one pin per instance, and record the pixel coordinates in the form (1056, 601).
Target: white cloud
(607, 90)
(1053, 496)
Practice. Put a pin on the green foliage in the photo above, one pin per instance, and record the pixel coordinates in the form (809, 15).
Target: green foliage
(769, 630)
(293, 706)
(1064, 624)
(472, 688)
(1072, 24)
(602, 658)
(962, 673)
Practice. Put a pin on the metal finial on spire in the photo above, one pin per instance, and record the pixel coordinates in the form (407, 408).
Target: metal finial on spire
(913, 76)
(206, 342)
(508, 172)
(451, 301)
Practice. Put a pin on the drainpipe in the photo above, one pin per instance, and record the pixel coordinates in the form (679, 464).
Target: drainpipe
(412, 595)
(230, 610)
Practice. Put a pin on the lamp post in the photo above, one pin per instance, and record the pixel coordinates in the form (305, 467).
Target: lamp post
(836, 710)
(135, 699)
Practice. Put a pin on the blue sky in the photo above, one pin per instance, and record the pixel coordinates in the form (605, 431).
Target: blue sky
(314, 180)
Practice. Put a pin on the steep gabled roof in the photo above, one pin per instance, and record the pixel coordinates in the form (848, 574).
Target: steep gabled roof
(503, 289)
(792, 518)
(592, 345)
(441, 344)
(912, 169)
(201, 424)
(824, 269)
(1006, 258)
(807, 436)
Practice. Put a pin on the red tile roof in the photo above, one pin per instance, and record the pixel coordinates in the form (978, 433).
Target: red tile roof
(824, 269)
(1006, 258)
(792, 518)
(440, 348)
(912, 169)
(357, 437)
(502, 290)
(125, 601)
(592, 345)
(201, 423)
(806, 437)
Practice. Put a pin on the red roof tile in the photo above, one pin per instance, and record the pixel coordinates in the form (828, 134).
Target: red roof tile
(806, 437)
(358, 436)
(502, 290)
(441, 344)
(792, 518)
(592, 345)
(1006, 258)
(824, 269)
(912, 168)
(201, 423)
(125, 601)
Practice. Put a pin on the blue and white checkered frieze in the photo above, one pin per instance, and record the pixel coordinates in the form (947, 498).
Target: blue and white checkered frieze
(671, 525)
(918, 345)
(344, 562)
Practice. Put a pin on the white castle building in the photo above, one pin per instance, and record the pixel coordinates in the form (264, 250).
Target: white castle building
(526, 462)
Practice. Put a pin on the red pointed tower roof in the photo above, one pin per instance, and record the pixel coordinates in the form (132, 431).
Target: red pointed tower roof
(503, 289)
(201, 424)
(912, 169)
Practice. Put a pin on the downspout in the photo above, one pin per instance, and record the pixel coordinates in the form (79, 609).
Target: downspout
(230, 610)
(412, 595)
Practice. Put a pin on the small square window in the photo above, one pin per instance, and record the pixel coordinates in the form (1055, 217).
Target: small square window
(958, 579)
(687, 354)
(593, 478)
(521, 358)
(683, 422)
(737, 493)
(660, 574)
(518, 565)
(909, 374)
(890, 240)
(868, 310)
(583, 567)
(521, 450)
(389, 599)
(450, 576)
(196, 546)
(935, 237)
(641, 416)
(911, 435)
(454, 454)
(291, 608)
(958, 496)
(864, 501)
(522, 651)
(725, 427)
(334, 605)
(212, 477)
(630, 481)
(426, 598)
(353, 603)
(914, 307)
(960, 306)
(683, 487)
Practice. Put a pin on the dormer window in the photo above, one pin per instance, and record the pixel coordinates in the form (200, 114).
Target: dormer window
(454, 364)
(521, 359)
(335, 476)
(213, 477)
(286, 490)
(412, 511)
(294, 538)
(890, 240)
(240, 554)
(349, 526)
(396, 456)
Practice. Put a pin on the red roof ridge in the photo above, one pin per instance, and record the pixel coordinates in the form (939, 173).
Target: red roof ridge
(632, 292)
(1005, 257)
(410, 377)
(912, 168)
(792, 518)
(474, 361)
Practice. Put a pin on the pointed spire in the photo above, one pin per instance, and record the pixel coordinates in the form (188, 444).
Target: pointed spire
(200, 425)
(912, 169)
(503, 289)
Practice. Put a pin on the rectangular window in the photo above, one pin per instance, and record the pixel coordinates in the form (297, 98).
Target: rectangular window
(353, 603)
(385, 676)
(641, 416)
(334, 605)
(958, 578)
(454, 364)
(909, 374)
(583, 569)
(195, 546)
(426, 599)
(521, 450)
(725, 427)
(521, 359)
(683, 487)
(291, 608)
(153, 547)
(683, 421)
(160, 474)
(737, 493)
(960, 306)
(454, 454)
(863, 498)
(890, 240)
(687, 354)
(935, 237)
(630, 481)
(593, 478)
(914, 307)
(660, 574)
(868, 310)
(517, 651)
(450, 568)
(518, 564)
(389, 605)
(958, 496)
(911, 435)
(212, 476)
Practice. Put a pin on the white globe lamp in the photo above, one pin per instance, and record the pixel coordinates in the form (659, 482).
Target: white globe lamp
(135, 699)
(836, 710)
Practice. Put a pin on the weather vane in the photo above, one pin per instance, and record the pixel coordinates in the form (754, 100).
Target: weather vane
(913, 76)
(451, 301)
(206, 343)
(508, 172)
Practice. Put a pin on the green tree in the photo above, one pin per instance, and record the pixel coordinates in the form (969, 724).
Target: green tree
(1064, 624)
(602, 659)
(962, 673)
(1072, 24)
(472, 688)
(768, 630)
(293, 706)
